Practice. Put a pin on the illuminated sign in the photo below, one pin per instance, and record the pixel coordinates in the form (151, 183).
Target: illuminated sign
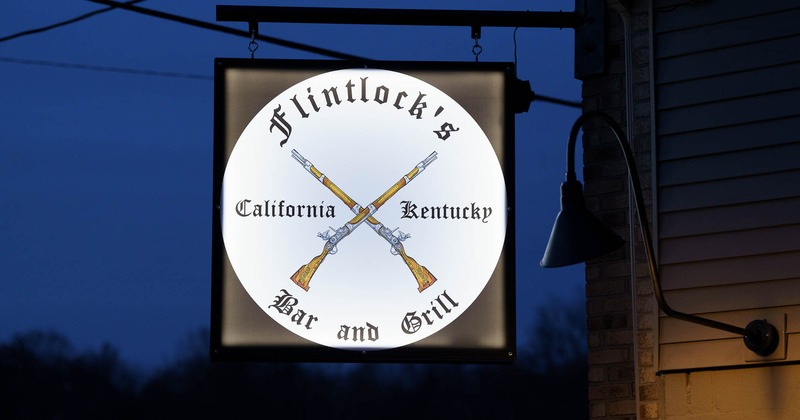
(362, 212)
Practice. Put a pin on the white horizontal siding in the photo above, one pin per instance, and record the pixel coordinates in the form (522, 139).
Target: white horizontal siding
(736, 58)
(675, 15)
(734, 244)
(724, 34)
(727, 298)
(742, 163)
(708, 220)
(737, 111)
(764, 267)
(729, 86)
(727, 139)
(727, 99)
(728, 192)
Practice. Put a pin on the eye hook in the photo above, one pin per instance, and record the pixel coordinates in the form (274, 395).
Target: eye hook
(253, 46)
(476, 35)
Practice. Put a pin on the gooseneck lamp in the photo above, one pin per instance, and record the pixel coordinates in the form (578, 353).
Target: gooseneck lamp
(578, 236)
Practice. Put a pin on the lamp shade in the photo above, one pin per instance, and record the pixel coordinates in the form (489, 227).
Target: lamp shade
(577, 235)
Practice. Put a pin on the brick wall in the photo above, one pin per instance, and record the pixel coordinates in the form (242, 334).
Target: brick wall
(621, 312)
(771, 392)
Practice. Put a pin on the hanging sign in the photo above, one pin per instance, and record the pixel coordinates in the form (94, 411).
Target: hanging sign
(362, 212)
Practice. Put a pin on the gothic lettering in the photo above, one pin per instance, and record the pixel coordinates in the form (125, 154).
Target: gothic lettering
(409, 210)
(286, 303)
(312, 101)
(440, 307)
(361, 91)
(381, 94)
(364, 89)
(280, 209)
(278, 120)
(350, 87)
(360, 334)
(328, 93)
(303, 113)
(416, 109)
(444, 132)
(411, 323)
(400, 96)
(300, 317)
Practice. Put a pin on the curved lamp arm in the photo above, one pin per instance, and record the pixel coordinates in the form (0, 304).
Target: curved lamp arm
(759, 336)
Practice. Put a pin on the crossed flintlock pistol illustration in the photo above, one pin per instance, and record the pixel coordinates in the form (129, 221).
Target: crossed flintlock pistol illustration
(363, 214)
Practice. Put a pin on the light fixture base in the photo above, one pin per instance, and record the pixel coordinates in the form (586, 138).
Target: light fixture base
(762, 338)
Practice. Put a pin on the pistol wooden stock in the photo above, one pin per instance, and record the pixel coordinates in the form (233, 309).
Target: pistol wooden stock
(424, 277)
(302, 277)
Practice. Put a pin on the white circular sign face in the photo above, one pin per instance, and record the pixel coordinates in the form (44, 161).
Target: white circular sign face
(363, 209)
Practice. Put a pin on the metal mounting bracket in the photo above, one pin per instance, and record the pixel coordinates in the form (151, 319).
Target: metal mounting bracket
(590, 39)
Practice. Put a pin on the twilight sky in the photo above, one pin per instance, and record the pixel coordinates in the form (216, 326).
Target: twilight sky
(106, 134)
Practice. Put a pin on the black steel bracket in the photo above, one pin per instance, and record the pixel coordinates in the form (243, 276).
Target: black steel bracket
(587, 20)
(590, 39)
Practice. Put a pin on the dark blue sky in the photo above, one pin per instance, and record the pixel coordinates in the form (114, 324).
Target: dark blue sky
(106, 178)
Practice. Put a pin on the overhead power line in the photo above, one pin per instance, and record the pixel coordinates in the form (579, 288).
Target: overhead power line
(276, 41)
(224, 29)
(108, 69)
(64, 23)
(129, 5)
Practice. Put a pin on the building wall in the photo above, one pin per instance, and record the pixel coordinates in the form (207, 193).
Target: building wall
(714, 125)
(727, 99)
(761, 393)
(620, 329)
